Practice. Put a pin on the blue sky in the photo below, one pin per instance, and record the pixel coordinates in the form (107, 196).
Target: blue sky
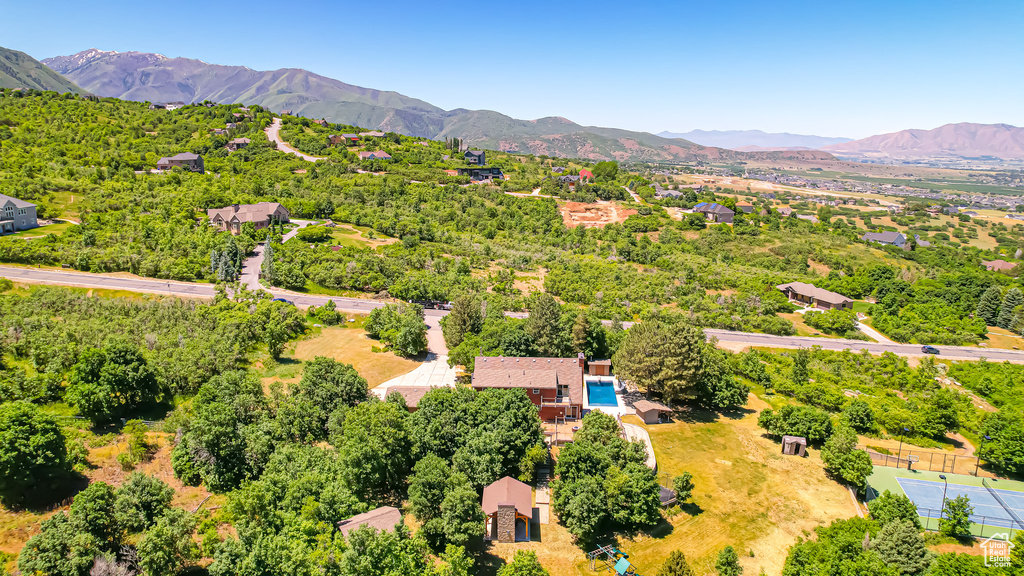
(838, 68)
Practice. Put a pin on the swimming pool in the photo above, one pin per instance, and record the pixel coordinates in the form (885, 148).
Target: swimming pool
(601, 393)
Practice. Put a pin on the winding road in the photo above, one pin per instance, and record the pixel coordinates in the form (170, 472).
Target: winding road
(274, 135)
(363, 306)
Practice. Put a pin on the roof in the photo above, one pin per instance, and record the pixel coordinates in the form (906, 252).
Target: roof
(508, 490)
(474, 152)
(375, 154)
(181, 156)
(586, 173)
(712, 208)
(647, 406)
(245, 212)
(4, 199)
(240, 141)
(412, 394)
(350, 136)
(887, 237)
(600, 362)
(374, 134)
(797, 439)
(501, 372)
(667, 496)
(998, 265)
(384, 518)
(812, 291)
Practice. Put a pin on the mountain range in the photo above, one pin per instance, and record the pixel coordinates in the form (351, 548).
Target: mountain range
(19, 70)
(963, 140)
(152, 77)
(754, 140)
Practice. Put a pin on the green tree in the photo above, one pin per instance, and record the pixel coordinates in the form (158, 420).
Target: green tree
(376, 446)
(956, 520)
(141, 500)
(93, 510)
(812, 423)
(859, 416)
(524, 563)
(989, 305)
(1007, 312)
(900, 544)
(168, 547)
(675, 565)
(543, 325)
(466, 317)
(455, 562)
(666, 360)
(683, 486)
(461, 515)
(889, 507)
(33, 454)
(953, 564)
(428, 484)
(327, 384)
(728, 563)
(112, 382)
(801, 358)
(60, 549)
(844, 461)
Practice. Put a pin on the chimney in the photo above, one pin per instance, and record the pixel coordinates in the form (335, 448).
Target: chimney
(581, 359)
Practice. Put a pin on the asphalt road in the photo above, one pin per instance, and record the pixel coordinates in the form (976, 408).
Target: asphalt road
(273, 134)
(358, 305)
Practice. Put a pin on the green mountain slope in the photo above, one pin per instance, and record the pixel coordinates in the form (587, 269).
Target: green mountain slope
(19, 70)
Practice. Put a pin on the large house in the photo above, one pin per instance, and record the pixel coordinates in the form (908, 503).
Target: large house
(555, 385)
(16, 215)
(185, 161)
(888, 238)
(478, 157)
(375, 155)
(262, 215)
(990, 265)
(508, 509)
(817, 297)
(482, 173)
(238, 144)
(715, 212)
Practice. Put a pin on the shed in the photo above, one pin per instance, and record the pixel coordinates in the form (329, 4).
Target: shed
(508, 508)
(599, 367)
(666, 496)
(384, 519)
(650, 412)
(794, 445)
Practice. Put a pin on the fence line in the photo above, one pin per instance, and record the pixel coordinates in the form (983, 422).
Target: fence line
(923, 460)
(981, 526)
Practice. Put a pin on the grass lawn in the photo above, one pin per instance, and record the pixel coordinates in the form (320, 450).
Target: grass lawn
(861, 306)
(349, 345)
(40, 231)
(747, 495)
(1002, 338)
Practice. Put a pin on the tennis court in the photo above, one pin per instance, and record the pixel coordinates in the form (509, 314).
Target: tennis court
(927, 495)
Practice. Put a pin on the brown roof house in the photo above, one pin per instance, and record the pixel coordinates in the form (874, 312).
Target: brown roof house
(555, 385)
(262, 215)
(817, 297)
(508, 507)
(998, 265)
(185, 161)
(651, 412)
(238, 144)
(411, 394)
(375, 155)
(383, 519)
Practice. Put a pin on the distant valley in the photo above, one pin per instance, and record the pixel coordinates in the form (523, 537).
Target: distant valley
(754, 140)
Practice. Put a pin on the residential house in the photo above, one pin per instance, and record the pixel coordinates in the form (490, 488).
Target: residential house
(375, 155)
(569, 179)
(786, 211)
(745, 207)
(768, 195)
(951, 209)
(157, 106)
(508, 508)
(16, 215)
(220, 132)
(185, 161)
(262, 215)
(174, 105)
(558, 169)
(372, 134)
(970, 213)
(555, 385)
(715, 212)
(991, 266)
(586, 174)
(383, 519)
(323, 122)
(286, 112)
(478, 157)
(922, 243)
(808, 217)
(817, 297)
(238, 144)
(651, 412)
(1015, 216)
(230, 126)
(482, 173)
(888, 238)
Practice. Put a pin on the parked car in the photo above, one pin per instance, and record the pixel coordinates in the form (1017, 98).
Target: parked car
(929, 349)
(282, 300)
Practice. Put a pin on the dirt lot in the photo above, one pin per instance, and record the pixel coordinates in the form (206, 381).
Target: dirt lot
(593, 215)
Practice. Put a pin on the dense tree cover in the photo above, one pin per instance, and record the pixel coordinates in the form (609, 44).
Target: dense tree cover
(400, 326)
(838, 549)
(901, 546)
(807, 421)
(524, 563)
(839, 322)
(33, 455)
(602, 482)
(888, 507)
(110, 382)
(844, 461)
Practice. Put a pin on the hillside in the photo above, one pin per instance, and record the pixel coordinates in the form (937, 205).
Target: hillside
(952, 140)
(152, 77)
(755, 140)
(19, 70)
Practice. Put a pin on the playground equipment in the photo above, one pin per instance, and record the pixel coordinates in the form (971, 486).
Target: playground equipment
(611, 559)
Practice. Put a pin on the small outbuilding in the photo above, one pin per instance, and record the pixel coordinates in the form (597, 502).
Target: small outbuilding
(651, 412)
(599, 367)
(666, 496)
(508, 506)
(794, 445)
(383, 519)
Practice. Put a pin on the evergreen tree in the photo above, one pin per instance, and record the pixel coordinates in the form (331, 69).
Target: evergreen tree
(988, 306)
(900, 544)
(675, 565)
(269, 273)
(728, 563)
(800, 360)
(1013, 299)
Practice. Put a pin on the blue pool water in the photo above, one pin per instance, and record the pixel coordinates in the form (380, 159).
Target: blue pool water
(601, 393)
